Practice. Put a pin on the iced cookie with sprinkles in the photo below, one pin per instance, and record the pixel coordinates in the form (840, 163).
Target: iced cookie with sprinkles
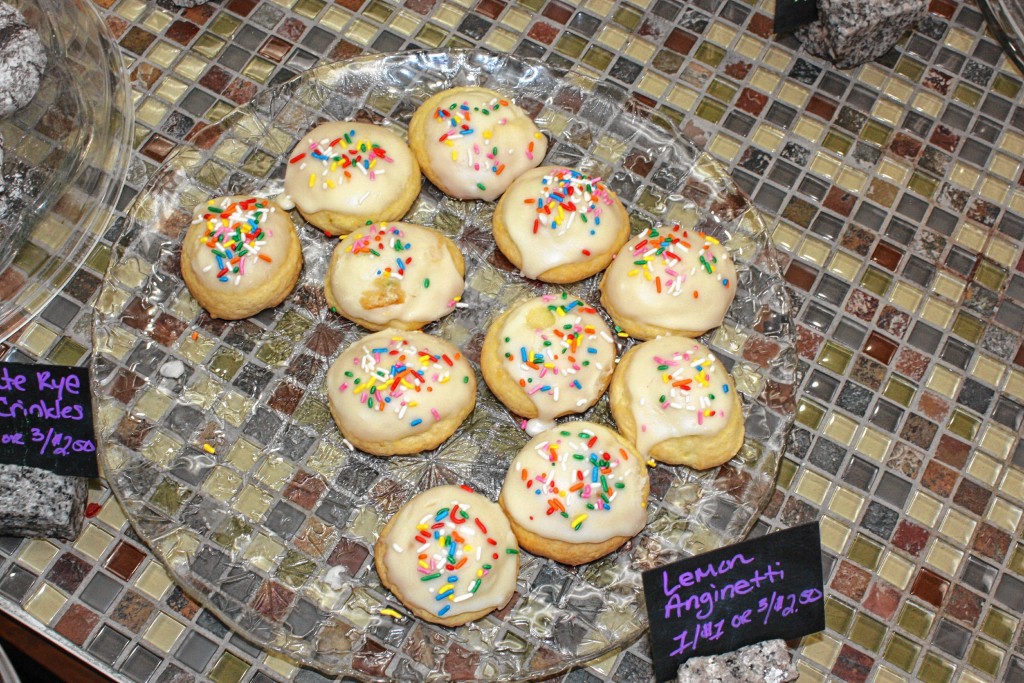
(395, 275)
(398, 392)
(472, 142)
(575, 493)
(559, 225)
(449, 555)
(669, 280)
(673, 398)
(547, 357)
(240, 255)
(343, 174)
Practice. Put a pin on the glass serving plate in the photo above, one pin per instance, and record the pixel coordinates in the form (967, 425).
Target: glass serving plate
(251, 529)
(65, 158)
(1006, 20)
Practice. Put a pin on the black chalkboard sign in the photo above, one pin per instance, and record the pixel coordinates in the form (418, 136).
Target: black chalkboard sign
(46, 419)
(792, 14)
(760, 589)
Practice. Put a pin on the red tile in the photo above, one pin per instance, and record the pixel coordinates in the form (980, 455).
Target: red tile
(902, 145)
(964, 605)
(543, 32)
(272, 600)
(77, 623)
(880, 348)
(972, 496)
(883, 599)
(680, 41)
(840, 201)
(557, 11)
(305, 489)
(910, 537)
(938, 478)
(912, 364)
(181, 31)
(216, 79)
(862, 305)
(945, 138)
(490, 8)
(933, 406)
(822, 107)
(808, 342)
(349, 554)
(800, 275)
(751, 101)
(240, 91)
(887, 256)
(124, 560)
(275, 49)
(851, 580)
(157, 147)
(762, 25)
(992, 542)
(852, 665)
(930, 587)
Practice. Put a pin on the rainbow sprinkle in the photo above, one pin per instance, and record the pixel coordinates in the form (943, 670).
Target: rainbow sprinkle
(658, 258)
(346, 154)
(682, 374)
(234, 237)
(567, 194)
(574, 467)
(387, 243)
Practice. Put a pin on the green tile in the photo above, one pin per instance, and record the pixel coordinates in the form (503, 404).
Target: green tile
(431, 35)
(902, 652)
(627, 17)
(598, 58)
(935, 669)
(293, 326)
(312, 413)
(225, 25)
(67, 352)
(710, 110)
(876, 281)
(721, 90)
(911, 68)
(276, 351)
(865, 552)
(968, 327)
(985, 656)
(309, 8)
(923, 184)
(1006, 86)
(208, 45)
(968, 95)
(259, 69)
(1016, 563)
(710, 54)
(963, 424)
(232, 530)
(1000, 625)
(835, 357)
(651, 200)
(809, 413)
(295, 569)
(674, 117)
(379, 11)
(99, 259)
(219, 110)
(990, 275)
(899, 390)
(212, 173)
(534, 5)
(837, 142)
(226, 363)
(838, 616)
(228, 669)
(30, 258)
(570, 45)
(259, 164)
(169, 496)
(867, 632)
(876, 132)
(915, 620)
(787, 471)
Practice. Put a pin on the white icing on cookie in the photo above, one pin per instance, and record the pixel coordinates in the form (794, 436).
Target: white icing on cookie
(450, 551)
(241, 241)
(394, 272)
(479, 142)
(349, 168)
(560, 352)
(393, 384)
(579, 483)
(557, 216)
(676, 387)
(672, 278)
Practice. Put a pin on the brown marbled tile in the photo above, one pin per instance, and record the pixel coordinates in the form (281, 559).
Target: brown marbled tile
(808, 342)
(906, 147)
(761, 25)
(349, 554)
(938, 478)
(181, 32)
(796, 512)
(77, 623)
(862, 305)
(944, 138)
(774, 504)
(199, 14)
(851, 580)
(937, 80)
(639, 162)
(905, 459)
(133, 611)
(933, 406)
(317, 538)
(182, 604)
(893, 321)
(910, 537)
(840, 201)
(912, 364)
(738, 69)
(883, 599)
(240, 91)
(293, 28)
(858, 240)
(867, 372)
(964, 605)
(952, 451)
(852, 666)
(272, 600)
(146, 74)
(882, 192)
(761, 350)
(991, 542)
(972, 496)
(919, 431)
(286, 398)
(275, 49)
(543, 32)
(132, 431)
(305, 489)
(137, 40)
(751, 101)
(930, 587)
(372, 658)
(242, 8)
(125, 559)
(68, 572)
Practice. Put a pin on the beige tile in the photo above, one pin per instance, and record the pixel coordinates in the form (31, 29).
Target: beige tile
(93, 542)
(45, 603)
(164, 632)
(37, 554)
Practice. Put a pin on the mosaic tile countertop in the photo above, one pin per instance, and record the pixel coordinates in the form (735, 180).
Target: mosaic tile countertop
(899, 196)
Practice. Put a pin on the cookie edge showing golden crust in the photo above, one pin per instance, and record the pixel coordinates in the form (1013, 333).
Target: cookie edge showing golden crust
(697, 452)
(418, 137)
(272, 293)
(569, 272)
(438, 433)
(411, 325)
(501, 384)
(381, 548)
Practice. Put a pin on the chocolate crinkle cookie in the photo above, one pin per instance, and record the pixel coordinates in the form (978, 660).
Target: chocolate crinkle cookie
(22, 60)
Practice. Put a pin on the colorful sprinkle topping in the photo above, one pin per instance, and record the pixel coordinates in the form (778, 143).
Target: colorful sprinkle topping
(576, 475)
(332, 161)
(234, 236)
(565, 195)
(387, 243)
(658, 257)
(395, 377)
(454, 554)
(550, 362)
(476, 124)
(686, 383)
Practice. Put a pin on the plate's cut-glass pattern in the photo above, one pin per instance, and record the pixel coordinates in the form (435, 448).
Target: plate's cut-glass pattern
(218, 439)
(65, 156)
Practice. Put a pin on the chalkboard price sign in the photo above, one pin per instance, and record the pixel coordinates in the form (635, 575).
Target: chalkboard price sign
(46, 419)
(764, 588)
